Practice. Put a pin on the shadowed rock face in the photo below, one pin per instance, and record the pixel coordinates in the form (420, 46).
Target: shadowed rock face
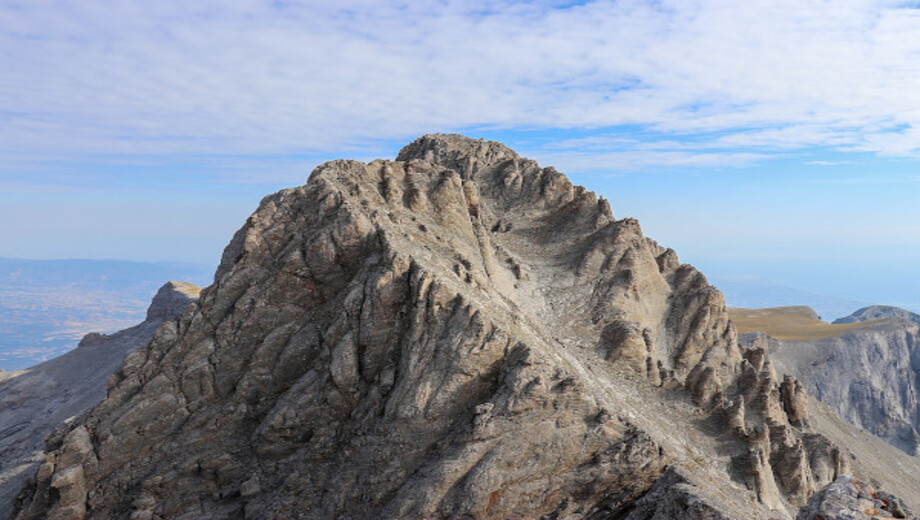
(35, 401)
(458, 333)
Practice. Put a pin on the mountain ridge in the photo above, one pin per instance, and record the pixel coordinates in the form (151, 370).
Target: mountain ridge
(388, 339)
(798, 323)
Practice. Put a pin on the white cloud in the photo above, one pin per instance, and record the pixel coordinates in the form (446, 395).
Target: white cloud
(828, 163)
(254, 77)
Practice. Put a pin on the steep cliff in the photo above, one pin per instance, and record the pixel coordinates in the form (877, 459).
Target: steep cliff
(457, 333)
(868, 374)
(35, 401)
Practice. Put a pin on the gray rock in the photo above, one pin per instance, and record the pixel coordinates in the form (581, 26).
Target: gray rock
(795, 400)
(849, 499)
(673, 497)
(171, 299)
(35, 401)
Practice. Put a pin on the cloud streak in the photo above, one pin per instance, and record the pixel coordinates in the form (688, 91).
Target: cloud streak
(286, 77)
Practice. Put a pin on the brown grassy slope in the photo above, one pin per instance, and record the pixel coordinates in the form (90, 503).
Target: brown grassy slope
(798, 323)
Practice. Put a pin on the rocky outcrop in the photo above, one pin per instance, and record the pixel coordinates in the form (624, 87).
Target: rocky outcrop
(784, 458)
(170, 300)
(674, 497)
(848, 499)
(458, 333)
(869, 375)
(795, 400)
(35, 401)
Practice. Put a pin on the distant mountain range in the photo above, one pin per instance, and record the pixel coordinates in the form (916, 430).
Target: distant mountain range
(46, 306)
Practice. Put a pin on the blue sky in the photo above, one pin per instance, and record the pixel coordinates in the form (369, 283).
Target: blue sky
(778, 138)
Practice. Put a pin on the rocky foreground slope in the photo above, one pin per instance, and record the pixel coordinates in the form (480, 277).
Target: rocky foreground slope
(459, 333)
(869, 373)
(35, 401)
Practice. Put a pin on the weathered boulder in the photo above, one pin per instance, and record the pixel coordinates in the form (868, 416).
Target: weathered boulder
(849, 499)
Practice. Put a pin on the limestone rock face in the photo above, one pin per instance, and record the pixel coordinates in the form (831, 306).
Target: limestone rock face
(795, 400)
(457, 333)
(35, 401)
(870, 376)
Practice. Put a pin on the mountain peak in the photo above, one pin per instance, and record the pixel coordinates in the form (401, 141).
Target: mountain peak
(387, 340)
(455, 151)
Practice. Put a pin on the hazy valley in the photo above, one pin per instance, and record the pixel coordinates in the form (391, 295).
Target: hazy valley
(37, 401)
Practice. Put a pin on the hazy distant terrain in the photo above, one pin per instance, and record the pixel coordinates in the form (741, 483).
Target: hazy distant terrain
(754, 292)
(46, 306)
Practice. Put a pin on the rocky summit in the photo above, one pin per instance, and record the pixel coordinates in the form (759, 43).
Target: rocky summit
(459, 333)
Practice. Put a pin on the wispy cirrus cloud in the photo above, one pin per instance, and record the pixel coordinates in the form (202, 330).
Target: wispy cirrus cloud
(287, 77)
